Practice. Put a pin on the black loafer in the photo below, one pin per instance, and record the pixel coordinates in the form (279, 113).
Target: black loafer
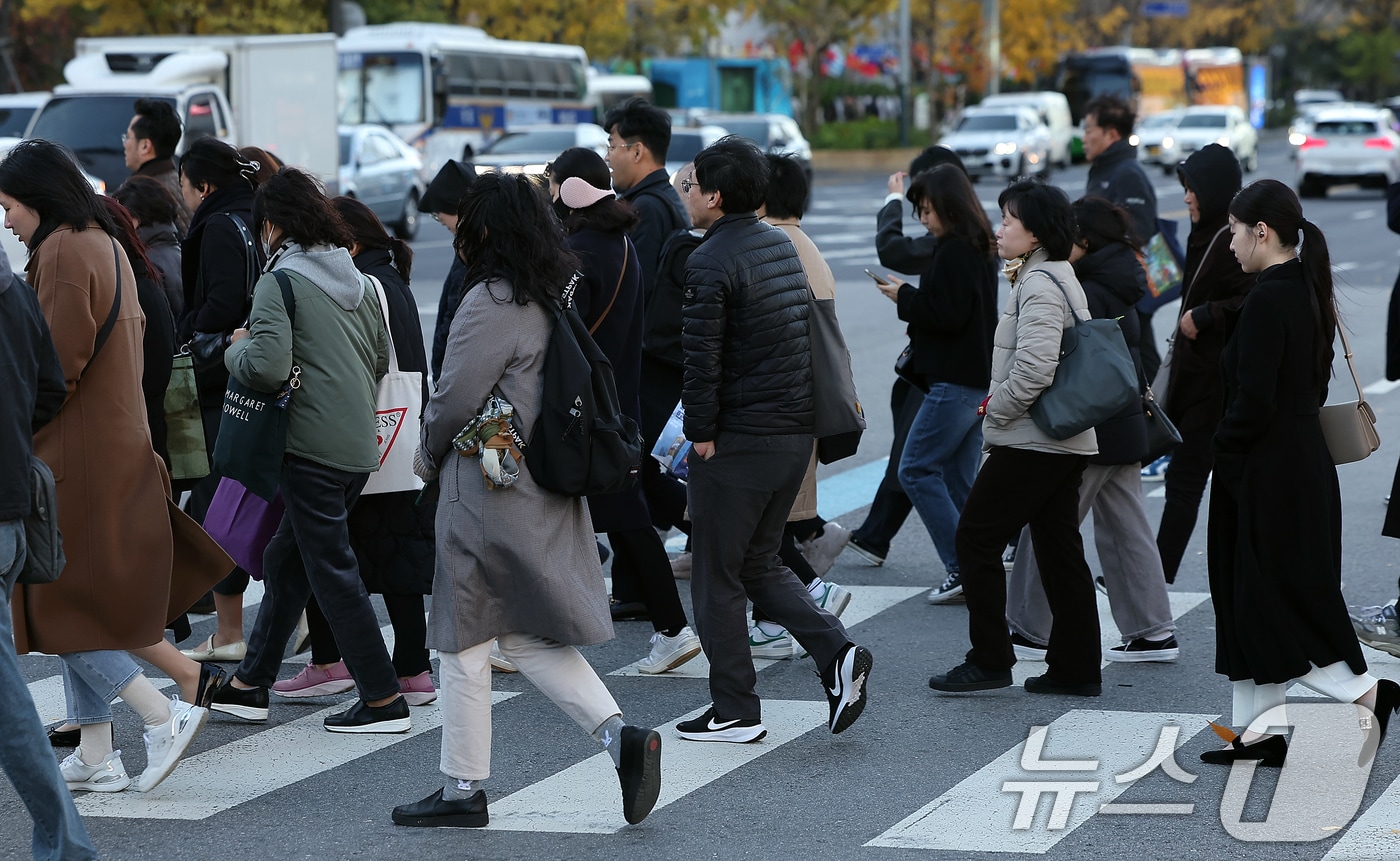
(1043, 684)
(67, 737)
(365, 718)
(249, 705)
(211, 678)
(1270, 752)
(437, 812)
(640, 772)
(629, 611)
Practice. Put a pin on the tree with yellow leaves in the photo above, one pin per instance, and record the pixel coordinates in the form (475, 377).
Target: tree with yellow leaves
(1034, 33)
(156, 17)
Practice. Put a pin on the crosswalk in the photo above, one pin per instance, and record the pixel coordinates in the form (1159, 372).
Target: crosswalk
(1028, 798)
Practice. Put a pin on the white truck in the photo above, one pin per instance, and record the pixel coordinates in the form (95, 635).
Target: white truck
(275, 92)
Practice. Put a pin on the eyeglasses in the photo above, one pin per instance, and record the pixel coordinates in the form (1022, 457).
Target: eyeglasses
(613, 146)
(687, 185)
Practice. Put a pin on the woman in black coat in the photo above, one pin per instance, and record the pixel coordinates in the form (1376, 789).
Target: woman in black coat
(1275, 536)
(609, 300)
(219, 264)
(155, 211)
(391, 533)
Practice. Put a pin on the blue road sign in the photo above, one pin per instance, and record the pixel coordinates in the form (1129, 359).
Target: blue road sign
(1165, 10)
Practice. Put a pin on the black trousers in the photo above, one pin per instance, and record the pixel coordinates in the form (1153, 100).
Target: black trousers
(406, 614)
(892, 505)
(1186, 484)
(639, 559)
(1015, 488)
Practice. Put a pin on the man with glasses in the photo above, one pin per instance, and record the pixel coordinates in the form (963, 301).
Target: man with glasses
(639, 136)
(148, 147)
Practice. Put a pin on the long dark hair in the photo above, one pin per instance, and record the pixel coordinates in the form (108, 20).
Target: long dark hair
(293, 201)
(265, 163)
(609, 215)
(210, 163)
(947, 191)
(505, 229)
(1275, 204)
(45, 177)
(1099, 222)
(369, 233)
(148, 200)
(127, 238)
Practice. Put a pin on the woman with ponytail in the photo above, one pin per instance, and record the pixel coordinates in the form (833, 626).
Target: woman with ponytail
(1275, 536)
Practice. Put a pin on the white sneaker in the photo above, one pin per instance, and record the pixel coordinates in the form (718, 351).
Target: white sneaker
(765, 645)
(499, 662)
(165, 744)
(821, 551)
(830, 597)
(109, 775)
(667, 653)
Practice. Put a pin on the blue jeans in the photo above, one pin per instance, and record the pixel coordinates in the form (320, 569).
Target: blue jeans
(25, 754)
(91, 680)
(940, 462)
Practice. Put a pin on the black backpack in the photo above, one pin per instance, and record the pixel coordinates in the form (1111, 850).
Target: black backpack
(582, 444)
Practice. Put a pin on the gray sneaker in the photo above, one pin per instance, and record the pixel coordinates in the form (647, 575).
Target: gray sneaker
(107, 776)
(1377, 627)
(821, 551)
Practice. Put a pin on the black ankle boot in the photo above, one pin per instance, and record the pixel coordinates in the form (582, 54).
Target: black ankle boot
(1269, 751)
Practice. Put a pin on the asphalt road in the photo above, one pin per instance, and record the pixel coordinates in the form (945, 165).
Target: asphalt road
(919, 776)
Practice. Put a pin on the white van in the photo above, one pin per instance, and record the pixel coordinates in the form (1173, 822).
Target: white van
(1054, 111)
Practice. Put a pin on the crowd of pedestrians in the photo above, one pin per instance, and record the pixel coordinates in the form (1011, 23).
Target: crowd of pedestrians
(698, 289)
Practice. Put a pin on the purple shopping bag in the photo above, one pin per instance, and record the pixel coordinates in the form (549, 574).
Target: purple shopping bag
(243, 523)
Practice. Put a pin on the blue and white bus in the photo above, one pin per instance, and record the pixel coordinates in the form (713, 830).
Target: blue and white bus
(444, 88)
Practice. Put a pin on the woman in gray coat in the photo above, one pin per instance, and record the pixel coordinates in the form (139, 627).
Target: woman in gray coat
(516, 563)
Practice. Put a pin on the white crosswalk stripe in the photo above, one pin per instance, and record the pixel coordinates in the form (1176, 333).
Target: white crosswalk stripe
(980, 814)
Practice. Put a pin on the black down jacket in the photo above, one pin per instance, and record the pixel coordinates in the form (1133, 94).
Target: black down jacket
(748, 361)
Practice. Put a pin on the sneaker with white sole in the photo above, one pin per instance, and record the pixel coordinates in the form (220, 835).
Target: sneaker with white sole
(708, 727)
(1027, 649)
(845, 685)
(1008, 559)
(500, 663)
(1101, 584)
(831, 597)
(314, 681)
(1377, 627)
(667, 653)
(866, 552)
(764, 644)
(950, 591)
(167, 743)
(821, 550)
(1142, 651)
(109, 775)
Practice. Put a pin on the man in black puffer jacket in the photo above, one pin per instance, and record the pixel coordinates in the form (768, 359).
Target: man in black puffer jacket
(747, 393)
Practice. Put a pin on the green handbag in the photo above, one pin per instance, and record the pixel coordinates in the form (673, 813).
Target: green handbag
(184, 424)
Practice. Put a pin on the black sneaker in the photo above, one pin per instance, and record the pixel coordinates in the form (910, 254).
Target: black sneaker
(250, 705)
(1145, 651)
(365, 718)
(951, 590)
(438, 812)
(1027, 649)
(870, 554)
(629, 611)
(1045, 685)
(845, 683)
(640, 772)
(967, 676)
(708, 727)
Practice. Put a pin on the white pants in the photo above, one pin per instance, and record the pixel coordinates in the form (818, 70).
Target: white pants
(559, 671)
(1334, 680)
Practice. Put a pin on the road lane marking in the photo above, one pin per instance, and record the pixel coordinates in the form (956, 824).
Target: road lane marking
(251, 767)
(1381, 387)
(1371, 835)
(585, 798)
(978, 815)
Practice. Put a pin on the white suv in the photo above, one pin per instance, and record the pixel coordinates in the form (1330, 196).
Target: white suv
(1348, 144)
(1000, 142)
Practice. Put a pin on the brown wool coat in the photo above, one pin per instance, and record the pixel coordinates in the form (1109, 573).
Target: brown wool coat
(134, 560)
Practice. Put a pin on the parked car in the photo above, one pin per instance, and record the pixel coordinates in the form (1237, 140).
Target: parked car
(1054, 111)
(383, 173)
(1347, 144)
(527, 149)
(17, 110)
(1152, 131)
(686, 143)
(775, 133)
(1201, 125)
(1000, 142)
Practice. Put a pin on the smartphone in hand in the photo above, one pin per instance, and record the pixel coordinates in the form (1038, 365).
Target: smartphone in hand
(878, 279)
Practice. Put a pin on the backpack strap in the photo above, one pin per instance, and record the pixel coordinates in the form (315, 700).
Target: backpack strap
(107, 325)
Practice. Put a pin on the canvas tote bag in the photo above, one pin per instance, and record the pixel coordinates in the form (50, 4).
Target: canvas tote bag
(397, 416)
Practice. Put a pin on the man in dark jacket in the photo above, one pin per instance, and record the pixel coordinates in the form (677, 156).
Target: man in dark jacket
(148, 147)
(747, 394)
(1114, 174)
(1213, 289)
(440, 201)
(31, 392)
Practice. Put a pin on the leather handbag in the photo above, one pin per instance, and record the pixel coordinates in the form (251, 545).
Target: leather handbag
(184, 423)
(1350, 427)
(1096, 378)
(1162, 435)
(397, 413)
(906, 373)
(252, 437)
(207, 348)
(45, 559)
